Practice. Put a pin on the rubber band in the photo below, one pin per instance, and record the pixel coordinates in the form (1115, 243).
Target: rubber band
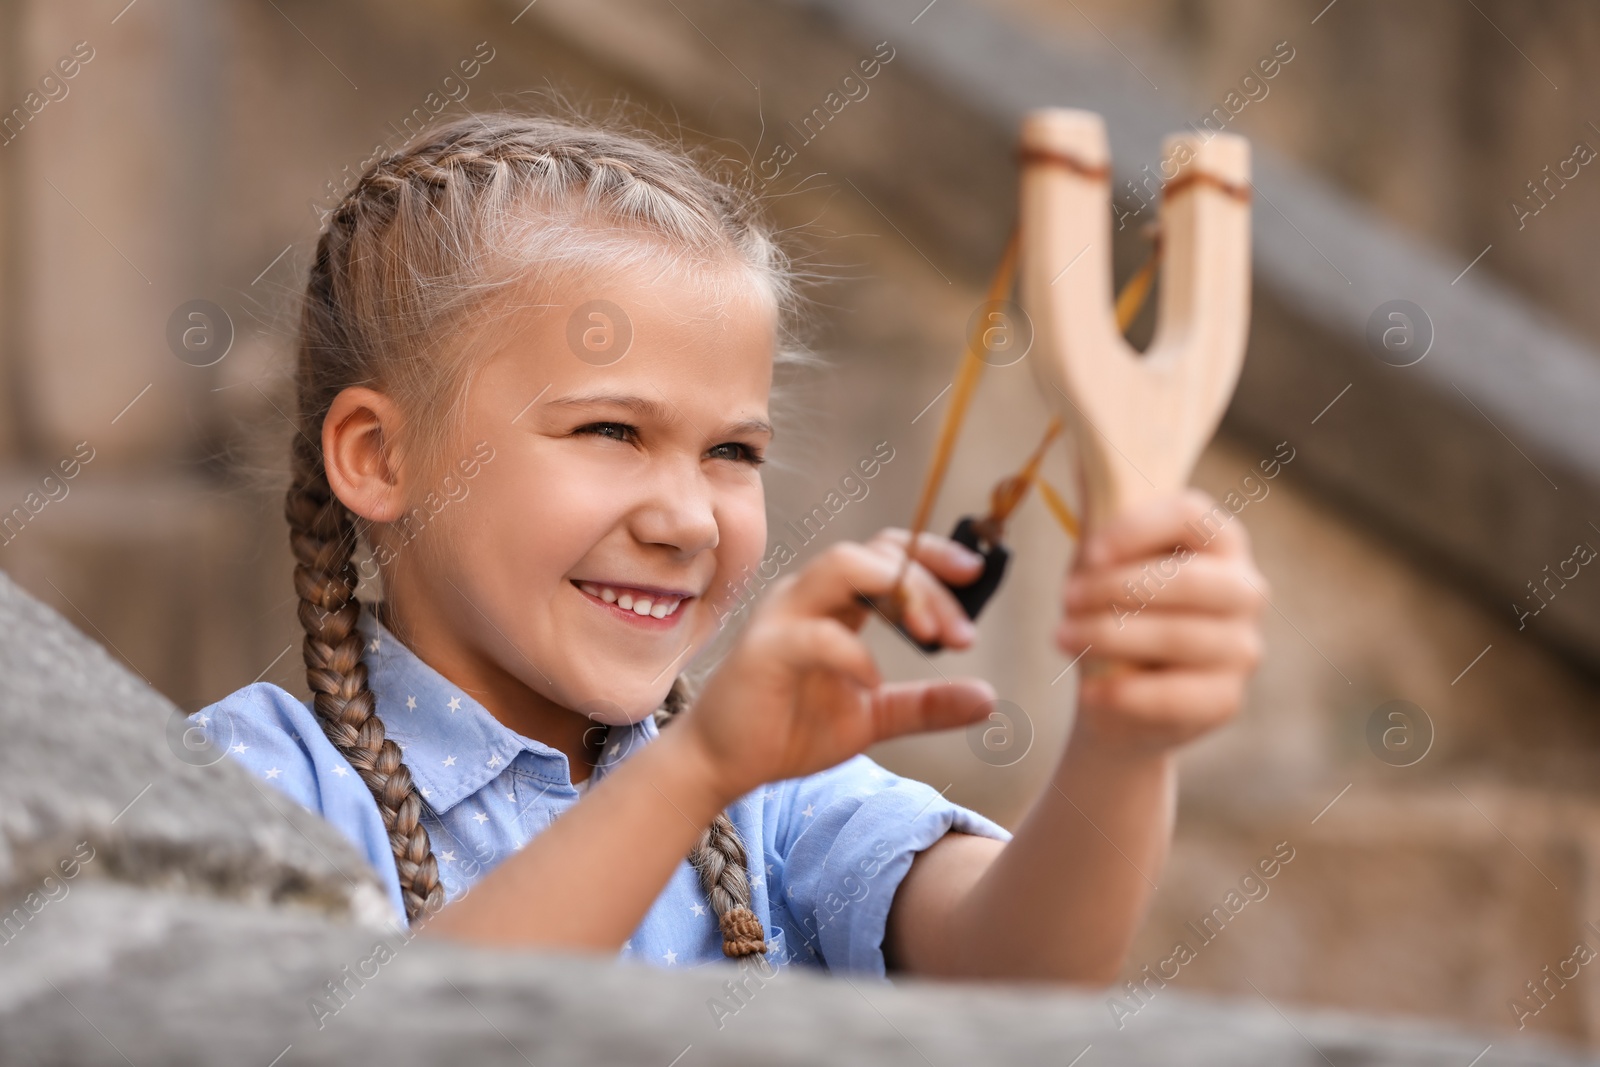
(1029, 155)
(1010, 491)
(1058, 507)
(1177, 185)
(966, 382)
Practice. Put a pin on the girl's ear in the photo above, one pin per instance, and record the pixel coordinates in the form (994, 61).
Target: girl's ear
(359, 436)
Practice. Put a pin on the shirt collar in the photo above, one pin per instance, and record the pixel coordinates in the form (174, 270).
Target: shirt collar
(451, 744)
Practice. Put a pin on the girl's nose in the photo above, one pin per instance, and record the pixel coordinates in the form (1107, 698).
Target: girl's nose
(680, 510)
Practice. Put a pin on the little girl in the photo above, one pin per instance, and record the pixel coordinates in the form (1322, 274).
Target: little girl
(533, 373)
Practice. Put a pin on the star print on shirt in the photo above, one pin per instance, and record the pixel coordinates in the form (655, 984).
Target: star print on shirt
(273, 772)
(455, 704)
(697, 908)
(448, 857)
(240, 747)
(808, 811)
(374, 646)
(411, 703)
(481, 817)
(449, 762)
(202, 720)
(494, 761)
(341, 772)
(670, 956)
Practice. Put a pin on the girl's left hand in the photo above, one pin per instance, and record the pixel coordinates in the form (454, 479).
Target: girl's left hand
(1164, 604)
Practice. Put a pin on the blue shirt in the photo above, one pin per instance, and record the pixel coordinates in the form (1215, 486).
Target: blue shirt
(826, 852)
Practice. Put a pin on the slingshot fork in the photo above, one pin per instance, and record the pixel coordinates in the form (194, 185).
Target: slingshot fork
(1136, 422)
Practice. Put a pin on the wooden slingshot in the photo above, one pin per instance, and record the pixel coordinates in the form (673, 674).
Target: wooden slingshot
(1136, 424)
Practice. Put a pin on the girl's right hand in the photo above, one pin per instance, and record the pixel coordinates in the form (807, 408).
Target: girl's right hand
(800, 692)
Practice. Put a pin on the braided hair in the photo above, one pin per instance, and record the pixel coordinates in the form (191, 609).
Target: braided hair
(422, 239)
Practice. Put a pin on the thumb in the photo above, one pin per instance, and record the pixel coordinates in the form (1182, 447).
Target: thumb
(919, 707)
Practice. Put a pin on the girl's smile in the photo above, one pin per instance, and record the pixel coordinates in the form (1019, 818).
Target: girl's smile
(647, 606)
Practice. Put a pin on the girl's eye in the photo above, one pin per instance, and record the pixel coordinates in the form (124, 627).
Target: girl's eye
(738, 452)
(617, 431)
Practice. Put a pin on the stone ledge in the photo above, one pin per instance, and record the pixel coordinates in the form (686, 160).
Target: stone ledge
(165, 979)
(90, 756)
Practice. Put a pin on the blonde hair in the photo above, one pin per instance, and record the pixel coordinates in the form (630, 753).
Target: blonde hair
(425, 239)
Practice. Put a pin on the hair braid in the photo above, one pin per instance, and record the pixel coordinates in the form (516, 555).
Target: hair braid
(322, 535)
(408, 249)
(720, 860)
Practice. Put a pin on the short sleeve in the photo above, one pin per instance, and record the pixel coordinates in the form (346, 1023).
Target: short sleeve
(847, 837)
(278, 740)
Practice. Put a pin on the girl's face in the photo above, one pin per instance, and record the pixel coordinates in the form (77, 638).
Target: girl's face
(587, 559)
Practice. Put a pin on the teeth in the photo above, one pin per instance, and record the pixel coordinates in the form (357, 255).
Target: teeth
(641, 605)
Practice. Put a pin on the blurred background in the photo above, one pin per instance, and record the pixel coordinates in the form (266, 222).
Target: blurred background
(1423, 734)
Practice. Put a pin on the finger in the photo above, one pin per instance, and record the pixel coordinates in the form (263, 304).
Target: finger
(918, 707)
(1204, 583)
(925, 610)
(1165, 639)
(1162, 706)
(955, 627)
(942, 563)
(831, 584)
(1191, 518)
(820, 644)
(951, 560)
